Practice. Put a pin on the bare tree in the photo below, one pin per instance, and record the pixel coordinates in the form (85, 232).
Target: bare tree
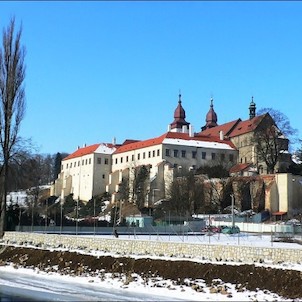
(271, 145)
(12, 103)
(282, 122)
(186, 194)
(217, 193)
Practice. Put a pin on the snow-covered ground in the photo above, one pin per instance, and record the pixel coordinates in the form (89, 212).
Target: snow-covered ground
(56, 287)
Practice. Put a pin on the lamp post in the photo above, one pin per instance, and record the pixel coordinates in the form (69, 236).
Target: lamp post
(32, 215)
(77, 214)
(233, 222)
(61, 204)
(153, 198)
(46, 215)
(94, 216)
(20, 215)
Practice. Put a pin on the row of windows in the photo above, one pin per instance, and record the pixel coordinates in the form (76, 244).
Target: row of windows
(183, 154)
(176, 153)
(86, 161)
(139, 156)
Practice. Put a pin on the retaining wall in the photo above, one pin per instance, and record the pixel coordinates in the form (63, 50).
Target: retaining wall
(124, 247)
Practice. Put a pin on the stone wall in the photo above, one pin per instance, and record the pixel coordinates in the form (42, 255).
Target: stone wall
(124, 247)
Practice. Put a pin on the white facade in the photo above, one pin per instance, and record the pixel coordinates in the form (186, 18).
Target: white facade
(163, 155)
(85, 172)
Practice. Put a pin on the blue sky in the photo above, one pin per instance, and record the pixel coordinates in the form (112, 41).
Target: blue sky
(98, 70)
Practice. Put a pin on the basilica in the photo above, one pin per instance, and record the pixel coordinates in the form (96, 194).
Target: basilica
(103, 167)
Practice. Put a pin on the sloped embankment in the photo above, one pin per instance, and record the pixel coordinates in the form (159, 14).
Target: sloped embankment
(286, 283)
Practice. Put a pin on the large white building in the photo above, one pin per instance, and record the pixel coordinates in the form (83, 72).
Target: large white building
(98, 168)
(85, 172)
(164, 155)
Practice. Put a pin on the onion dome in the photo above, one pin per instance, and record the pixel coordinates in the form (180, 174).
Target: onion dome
(179, 117)
(211, 118)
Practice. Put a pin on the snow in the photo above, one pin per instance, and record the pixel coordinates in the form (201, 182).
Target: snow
(104, 149)
(52, 286)
(56, 287)
(196, 143)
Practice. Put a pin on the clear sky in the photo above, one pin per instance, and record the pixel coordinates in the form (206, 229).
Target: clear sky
(98, 70)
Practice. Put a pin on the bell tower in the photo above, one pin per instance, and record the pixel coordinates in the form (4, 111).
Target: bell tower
(252, 109)
(179, 124)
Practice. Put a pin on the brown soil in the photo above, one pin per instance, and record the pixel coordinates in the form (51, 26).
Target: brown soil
(286, 283)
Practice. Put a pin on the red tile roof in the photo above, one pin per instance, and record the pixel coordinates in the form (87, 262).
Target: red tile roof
(225, 128)
(279, 213)
(239, 167)
(130, 141)
(173, 135)
(234, 128)
(246, 126)
(86, 150)
(128, 146)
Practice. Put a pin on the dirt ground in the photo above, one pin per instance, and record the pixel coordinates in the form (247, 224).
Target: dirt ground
(286, 283)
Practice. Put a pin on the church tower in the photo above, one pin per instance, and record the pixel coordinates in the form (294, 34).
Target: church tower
(252, 109)
(179, 124)
(211, 118)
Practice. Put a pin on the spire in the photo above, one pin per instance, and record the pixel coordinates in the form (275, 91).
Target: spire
(211, 117)
(252, 109)
(179, 118)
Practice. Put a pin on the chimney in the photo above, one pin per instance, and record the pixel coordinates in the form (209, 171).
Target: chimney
(221, 136)
(191, 133)
(114, 141)
(184, 129)
(169, 128)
